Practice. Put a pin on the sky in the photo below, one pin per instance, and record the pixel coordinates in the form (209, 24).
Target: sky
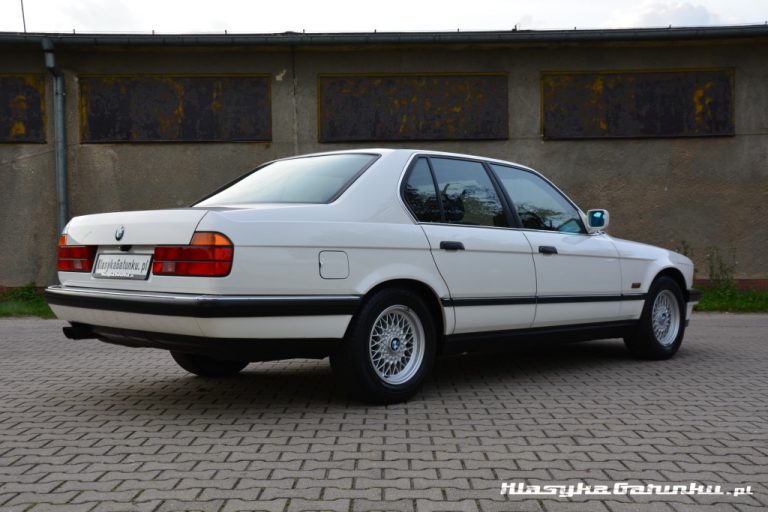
(273, 16)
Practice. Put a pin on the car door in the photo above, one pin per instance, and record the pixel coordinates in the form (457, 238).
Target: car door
(487, 267)
(578, 275)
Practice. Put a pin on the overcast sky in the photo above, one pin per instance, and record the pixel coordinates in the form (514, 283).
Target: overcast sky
(255, 16)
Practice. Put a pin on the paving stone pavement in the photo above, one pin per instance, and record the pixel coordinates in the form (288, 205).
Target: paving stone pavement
(86, 426)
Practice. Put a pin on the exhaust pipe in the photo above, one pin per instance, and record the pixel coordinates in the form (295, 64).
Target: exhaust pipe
(79, 332)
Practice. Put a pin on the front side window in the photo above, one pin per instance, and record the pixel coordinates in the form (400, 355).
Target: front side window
(314, 179)
(467, 194)
(539, 205)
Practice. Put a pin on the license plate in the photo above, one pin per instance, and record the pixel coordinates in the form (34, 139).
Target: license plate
(122, 266)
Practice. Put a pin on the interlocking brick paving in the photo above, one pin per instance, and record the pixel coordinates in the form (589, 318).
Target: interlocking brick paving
(86, 426)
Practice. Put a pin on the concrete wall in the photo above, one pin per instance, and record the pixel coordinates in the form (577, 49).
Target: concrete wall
(701, 192)
(27, 193)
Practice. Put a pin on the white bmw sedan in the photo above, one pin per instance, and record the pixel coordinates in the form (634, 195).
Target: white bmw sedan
(379, 259)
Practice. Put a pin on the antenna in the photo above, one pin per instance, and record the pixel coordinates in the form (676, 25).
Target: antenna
(23, 18)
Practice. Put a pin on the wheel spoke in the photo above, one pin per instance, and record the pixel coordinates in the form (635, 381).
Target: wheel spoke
(396, 344)
(665, 318)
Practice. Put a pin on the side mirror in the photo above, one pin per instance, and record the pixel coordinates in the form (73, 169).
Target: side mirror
(597, 220)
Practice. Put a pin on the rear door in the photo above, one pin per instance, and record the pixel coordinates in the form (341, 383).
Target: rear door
(487, 266)
(578, 275)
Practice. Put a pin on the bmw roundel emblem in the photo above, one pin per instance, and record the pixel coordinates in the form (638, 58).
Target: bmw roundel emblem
(119, 233)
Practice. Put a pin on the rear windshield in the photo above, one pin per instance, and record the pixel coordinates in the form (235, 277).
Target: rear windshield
(315, 179)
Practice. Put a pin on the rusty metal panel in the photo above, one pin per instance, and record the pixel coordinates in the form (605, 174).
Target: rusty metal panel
(22, 108)
(409, 107)
(175, 108)
(691, 103)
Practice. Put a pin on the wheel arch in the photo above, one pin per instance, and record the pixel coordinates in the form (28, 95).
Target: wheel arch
(426, 292)
(643, 341)
(677, 276)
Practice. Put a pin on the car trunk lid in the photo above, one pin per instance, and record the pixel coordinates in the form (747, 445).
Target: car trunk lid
(155, 227)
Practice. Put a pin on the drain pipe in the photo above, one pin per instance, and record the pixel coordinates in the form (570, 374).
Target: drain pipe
(60, 134)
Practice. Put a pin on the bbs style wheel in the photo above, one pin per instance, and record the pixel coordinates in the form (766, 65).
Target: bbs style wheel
(396, 344)
(662, 323)
(389, 348)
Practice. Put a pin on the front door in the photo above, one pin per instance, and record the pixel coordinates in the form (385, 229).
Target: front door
(578, 275)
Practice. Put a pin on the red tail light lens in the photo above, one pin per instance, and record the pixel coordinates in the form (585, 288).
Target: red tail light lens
(74, 258)
(208, 254)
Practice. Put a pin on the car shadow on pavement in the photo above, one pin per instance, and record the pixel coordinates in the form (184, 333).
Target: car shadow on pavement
(284, 385)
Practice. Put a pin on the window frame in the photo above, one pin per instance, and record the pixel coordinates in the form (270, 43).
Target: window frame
(510, 210)
(580, 218)
(404, 185)
(510, 214)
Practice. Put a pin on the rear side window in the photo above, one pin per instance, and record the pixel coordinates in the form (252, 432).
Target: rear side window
(315, 179)
(453, 191)
(467, 194)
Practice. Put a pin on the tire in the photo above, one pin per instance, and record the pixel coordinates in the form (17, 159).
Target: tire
(205, 366)
(662, 323)
(389, 348)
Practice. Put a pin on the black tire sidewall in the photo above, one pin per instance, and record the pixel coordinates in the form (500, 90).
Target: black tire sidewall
(643, 343)
(353, 363)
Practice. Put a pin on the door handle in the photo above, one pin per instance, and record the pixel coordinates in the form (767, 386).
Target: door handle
(452, 246)
(547, 249)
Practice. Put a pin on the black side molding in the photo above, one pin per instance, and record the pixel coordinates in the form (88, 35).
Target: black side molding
(208, 306)
(566, 299)
(694, 295)
(591, 298)
(501, 341)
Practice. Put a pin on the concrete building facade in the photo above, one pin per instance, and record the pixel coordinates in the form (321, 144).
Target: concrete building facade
(666, 128)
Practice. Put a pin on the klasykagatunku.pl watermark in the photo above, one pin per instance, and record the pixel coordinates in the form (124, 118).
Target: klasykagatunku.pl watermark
(619, 488)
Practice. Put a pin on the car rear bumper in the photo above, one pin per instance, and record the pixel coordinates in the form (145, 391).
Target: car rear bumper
(201, 305)
(246, 317)
(221, 348)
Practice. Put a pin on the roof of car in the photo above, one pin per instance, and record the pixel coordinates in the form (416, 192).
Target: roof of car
(413, 151)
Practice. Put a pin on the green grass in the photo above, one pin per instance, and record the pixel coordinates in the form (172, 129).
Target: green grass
(728, 298)
(25, 301)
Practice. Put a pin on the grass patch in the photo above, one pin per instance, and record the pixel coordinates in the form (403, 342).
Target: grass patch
(721, 294)
(25, 301)
(728, 298)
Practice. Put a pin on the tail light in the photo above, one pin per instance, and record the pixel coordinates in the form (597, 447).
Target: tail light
(74, 258)
(208, 254)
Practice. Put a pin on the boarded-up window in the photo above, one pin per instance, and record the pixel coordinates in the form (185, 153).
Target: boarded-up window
(22, 108)
(638, 104)
(175, 108)
(393, 108)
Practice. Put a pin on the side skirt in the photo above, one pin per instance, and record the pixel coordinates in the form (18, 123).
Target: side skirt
(270, 350)
(499, 341)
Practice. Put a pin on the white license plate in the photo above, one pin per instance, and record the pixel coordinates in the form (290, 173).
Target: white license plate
(122, 266)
